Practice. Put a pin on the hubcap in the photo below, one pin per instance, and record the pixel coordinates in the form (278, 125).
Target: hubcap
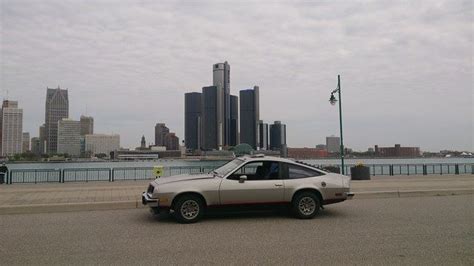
(190, 209)
(307, 205)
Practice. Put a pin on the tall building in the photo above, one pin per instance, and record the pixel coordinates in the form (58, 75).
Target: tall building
(209, 114)
(192, 120)
(333, 144)
(234, 121)
(26, 142)
(160, 132)
(277, 135)
(69, 137)
(249, 116)
(102, 143)
(57, 108)
(262, 135)
(42, 139)
(171, 142)
(143, 143)
(11, 121)
(35, 146)
(87, 125)
(221, 80)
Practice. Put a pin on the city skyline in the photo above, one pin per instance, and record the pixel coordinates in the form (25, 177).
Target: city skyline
(417, 76)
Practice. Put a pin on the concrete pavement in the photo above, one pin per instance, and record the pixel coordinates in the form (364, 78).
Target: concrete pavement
(56, 197)
(387, 231)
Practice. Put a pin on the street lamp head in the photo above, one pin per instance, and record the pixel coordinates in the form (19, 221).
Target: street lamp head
(333, 99)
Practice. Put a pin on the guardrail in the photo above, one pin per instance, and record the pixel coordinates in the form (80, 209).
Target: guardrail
(143, 173)
(416, 169)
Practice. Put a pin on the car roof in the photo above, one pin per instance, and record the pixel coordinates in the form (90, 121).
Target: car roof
(262, 157)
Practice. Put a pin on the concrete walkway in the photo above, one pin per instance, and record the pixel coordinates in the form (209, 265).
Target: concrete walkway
(56, 197)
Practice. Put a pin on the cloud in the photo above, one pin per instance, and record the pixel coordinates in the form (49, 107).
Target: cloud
(406, 66)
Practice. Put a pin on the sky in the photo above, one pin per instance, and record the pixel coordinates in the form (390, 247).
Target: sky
(406, 66)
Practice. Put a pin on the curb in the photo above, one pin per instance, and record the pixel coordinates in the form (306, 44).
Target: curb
(136, 204)
(70, 207)
(412, 193)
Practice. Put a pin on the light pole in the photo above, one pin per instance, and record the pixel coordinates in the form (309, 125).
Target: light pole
(333, 101)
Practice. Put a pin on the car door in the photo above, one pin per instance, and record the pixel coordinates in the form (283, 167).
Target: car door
(263, 184)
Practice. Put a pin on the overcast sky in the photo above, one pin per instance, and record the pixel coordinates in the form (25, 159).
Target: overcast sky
(406, 66)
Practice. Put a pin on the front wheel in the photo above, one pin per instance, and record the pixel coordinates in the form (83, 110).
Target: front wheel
(188, 209)
(306, 205)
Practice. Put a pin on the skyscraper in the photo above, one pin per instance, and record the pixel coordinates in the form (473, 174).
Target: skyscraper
(171, 142)
(234, 121)
(42, 139)
(209, 125)
(160, 132)
(87, 125)
(333, 144)
(277, 135)
(249, 116)
(69, 137)
(143, 142)
(263, 135)
(57, 108)
(35, 146)
(25, 142)
(192, 120)
(221, 80)
(11, 121)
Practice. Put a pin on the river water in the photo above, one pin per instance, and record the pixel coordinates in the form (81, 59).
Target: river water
(180, 162)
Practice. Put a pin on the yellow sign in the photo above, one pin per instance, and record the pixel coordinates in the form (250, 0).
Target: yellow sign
(158, 170)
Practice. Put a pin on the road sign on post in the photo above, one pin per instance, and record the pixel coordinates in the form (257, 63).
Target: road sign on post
(158, 171)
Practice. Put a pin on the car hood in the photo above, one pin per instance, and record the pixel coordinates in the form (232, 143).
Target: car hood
(181, 178)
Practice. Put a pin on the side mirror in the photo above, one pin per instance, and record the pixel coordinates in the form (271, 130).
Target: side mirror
(242, 178)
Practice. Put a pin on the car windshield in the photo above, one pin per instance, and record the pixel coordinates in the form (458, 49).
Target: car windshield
(226, 168)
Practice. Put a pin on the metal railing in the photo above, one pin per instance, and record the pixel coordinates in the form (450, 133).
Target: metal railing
(413, 169)
(145, 173)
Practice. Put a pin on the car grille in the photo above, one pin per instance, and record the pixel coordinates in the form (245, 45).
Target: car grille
(150, 189)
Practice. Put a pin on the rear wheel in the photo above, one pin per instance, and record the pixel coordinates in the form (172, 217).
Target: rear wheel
(306, 205)
(188, 209)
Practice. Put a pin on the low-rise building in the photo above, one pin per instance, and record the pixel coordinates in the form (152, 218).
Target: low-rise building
(101, 143)
(397, 151)
(307, 153)
(144, 154)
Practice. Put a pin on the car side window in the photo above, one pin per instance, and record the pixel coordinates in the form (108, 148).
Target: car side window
(261, 170)
(296, 171)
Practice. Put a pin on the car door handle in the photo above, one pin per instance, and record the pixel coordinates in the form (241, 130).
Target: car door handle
(278, 185)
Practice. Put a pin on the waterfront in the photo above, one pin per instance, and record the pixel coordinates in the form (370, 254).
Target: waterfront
(185, 163)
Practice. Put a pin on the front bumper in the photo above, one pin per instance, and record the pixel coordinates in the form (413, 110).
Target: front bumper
(349, 195)
(148, 200)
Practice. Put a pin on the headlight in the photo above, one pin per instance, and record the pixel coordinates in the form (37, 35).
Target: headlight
(150, 189)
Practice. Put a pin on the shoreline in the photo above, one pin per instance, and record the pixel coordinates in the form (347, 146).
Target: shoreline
(210, 159)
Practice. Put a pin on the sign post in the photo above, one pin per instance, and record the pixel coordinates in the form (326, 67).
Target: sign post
(158, 171)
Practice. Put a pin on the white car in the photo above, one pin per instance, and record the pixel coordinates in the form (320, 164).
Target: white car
(248, 181)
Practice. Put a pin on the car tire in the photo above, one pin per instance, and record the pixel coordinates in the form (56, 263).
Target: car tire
(188, 209)
(305, 205)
